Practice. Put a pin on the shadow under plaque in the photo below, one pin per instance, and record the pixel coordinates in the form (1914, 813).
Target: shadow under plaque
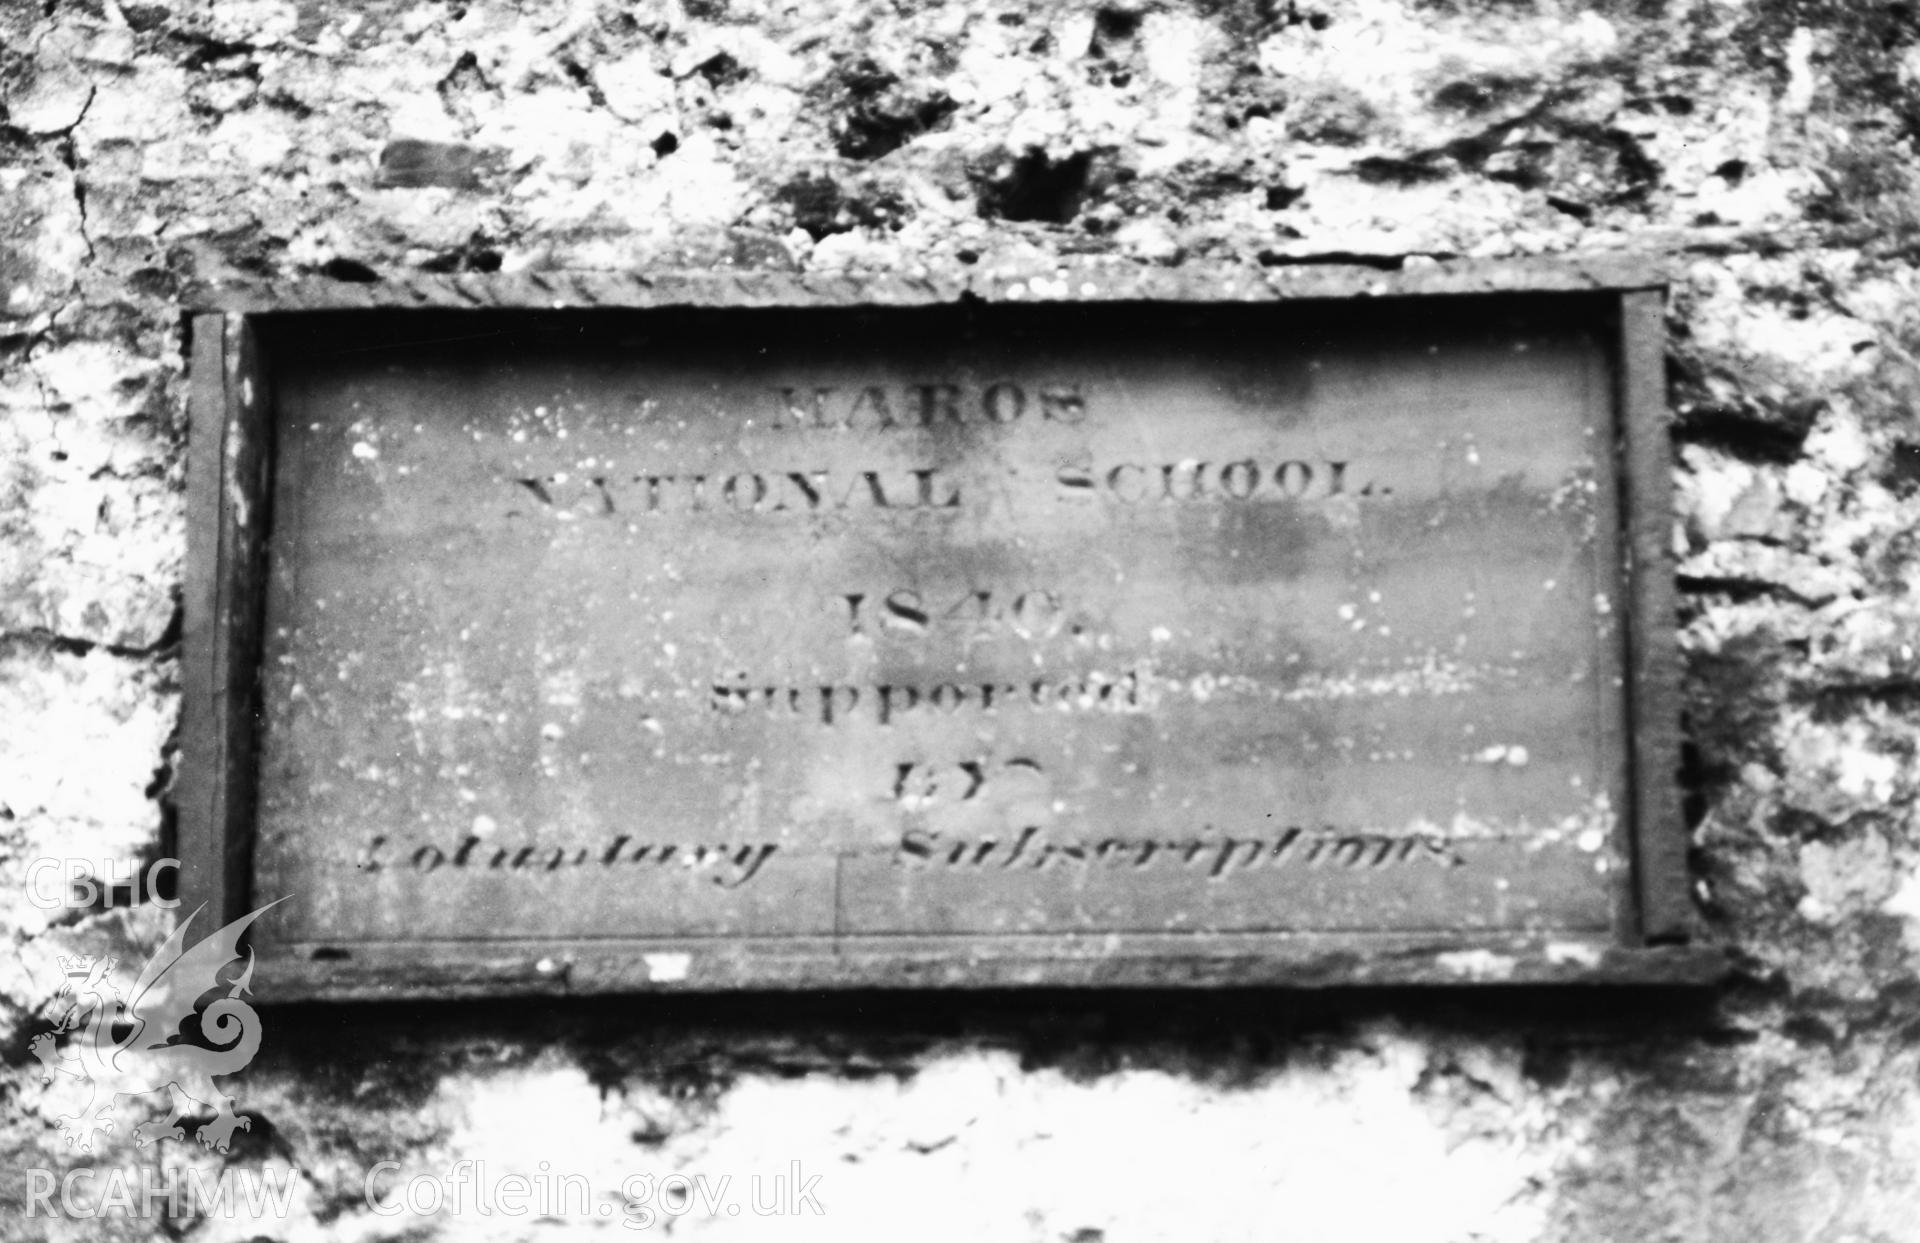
(1304, 642)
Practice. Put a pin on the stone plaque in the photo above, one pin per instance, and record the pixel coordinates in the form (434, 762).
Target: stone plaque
(753, 642)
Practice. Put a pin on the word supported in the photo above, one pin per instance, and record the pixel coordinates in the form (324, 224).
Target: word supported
(889, 702)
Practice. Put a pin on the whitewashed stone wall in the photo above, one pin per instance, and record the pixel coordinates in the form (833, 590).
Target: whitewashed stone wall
(1767, 146)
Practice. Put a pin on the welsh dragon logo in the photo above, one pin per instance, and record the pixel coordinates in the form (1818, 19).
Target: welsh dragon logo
(147, 1056)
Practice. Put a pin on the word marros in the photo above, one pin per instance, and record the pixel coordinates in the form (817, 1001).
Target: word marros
(877, 407)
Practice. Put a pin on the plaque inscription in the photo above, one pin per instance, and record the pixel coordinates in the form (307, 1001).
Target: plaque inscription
(1140, 642)
(723, 629)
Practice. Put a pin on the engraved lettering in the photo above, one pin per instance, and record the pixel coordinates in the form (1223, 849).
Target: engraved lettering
(1003, 403)
(925, 478)
(1037, 614)
(1062, 403)
(1293, 478)
(747, 860)
(731, 699)
(1224, 859)
(1076, 482)
(748, 492)
(1170, 475)
(915, 775)
(1248, 472)
(728, 865)
(569, 494)
(809, 484)
(1020, 845)
(874, 492)
(872, 403)
(947, 696)
(905, 611)
(922, 405)
(1096, 692)
(1349, 851)
(981, 603)
(938, 401)
(812, 414)
(1126, 495)
(1218, 858)
(908, 697)
(1192, 481)
(846, 697)
(745, 492)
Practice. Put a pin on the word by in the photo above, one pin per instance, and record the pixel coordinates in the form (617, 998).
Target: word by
(916, 784)
(85, 885)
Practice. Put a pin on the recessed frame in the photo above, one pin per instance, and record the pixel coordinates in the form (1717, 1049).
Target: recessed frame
(244, 349)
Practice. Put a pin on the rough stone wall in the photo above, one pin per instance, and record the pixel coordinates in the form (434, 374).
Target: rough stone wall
(1766, 145)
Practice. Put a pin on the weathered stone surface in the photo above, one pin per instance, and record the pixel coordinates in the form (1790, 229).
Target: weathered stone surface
(80, 764)
(91, 511)
(42, 243)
